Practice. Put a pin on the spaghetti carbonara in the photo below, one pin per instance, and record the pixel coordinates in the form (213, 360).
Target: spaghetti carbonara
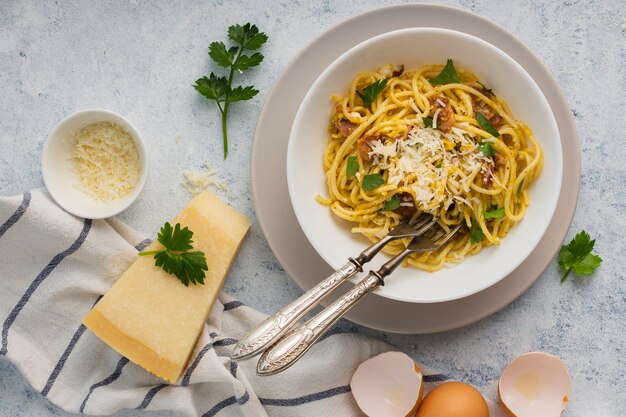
(433, 140)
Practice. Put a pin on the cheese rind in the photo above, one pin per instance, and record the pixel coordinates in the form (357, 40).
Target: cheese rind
(149, 316)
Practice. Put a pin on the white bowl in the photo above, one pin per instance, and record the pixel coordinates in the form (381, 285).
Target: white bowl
(61, 180)
(331, 236)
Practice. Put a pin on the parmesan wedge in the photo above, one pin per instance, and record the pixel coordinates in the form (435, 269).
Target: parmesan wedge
(149, 316)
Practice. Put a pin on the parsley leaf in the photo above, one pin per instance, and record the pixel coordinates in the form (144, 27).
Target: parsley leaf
(486, 148)
(220, 89)
(494, 213)
(244, 61)
(391, 204)
(176, 259)
(576, 256)
(489, 91)
(248, 36)
(486, 125)
(221, 56)
(372, 181)
(369, 93)
(241, 93)
(428, 121)
(476, 233)
(448, 75)
(352, 166)
(212, 87)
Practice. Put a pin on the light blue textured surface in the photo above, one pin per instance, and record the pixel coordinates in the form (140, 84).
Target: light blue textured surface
(141, 59)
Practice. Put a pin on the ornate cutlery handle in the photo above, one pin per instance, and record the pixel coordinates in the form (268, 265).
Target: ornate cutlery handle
(294, 344)
(269, 330)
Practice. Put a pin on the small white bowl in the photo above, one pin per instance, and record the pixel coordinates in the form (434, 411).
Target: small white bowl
(61, 180)
(331, 236)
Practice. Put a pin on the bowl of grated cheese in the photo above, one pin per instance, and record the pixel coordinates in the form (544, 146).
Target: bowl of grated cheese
(94, 163)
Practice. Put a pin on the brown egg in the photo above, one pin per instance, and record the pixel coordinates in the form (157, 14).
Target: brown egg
(453, 399)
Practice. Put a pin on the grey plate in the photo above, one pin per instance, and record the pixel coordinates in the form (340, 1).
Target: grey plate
(271, 198)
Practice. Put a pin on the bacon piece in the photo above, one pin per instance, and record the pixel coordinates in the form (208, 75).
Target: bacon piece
(499, 160)
(406, 211)
(363, 145)
(398, 72)
(489, 113)
(445, 118)
(345, 127)
(364, 148)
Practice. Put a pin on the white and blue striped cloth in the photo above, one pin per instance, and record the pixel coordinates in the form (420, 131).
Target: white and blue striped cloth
(54, 267)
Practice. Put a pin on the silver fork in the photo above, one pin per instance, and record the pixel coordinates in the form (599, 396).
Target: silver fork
(291, 347)
(271, 329)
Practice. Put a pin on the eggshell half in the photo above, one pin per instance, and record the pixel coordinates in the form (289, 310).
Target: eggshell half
(388, 385)
(535, 384)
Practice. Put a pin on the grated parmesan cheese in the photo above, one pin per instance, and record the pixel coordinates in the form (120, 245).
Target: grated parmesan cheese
(197, 181)
(423, 162)
(106, 161)
(435, 118)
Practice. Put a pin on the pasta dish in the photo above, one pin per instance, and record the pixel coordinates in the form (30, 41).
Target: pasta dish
(434, 140)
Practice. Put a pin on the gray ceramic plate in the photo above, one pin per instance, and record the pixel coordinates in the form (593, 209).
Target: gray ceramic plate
(278, 220)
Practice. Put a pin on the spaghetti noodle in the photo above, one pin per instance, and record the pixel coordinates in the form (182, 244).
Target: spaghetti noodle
(452, 149)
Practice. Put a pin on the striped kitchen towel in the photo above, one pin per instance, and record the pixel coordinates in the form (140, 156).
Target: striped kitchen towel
(54, 267)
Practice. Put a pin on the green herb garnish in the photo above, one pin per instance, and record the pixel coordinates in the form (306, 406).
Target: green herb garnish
(176, 258)
(220, 89)
(576, 256)
(494, 213)
(448, 75)
(489, 91)
(391, 204)
(428, 121)
(486, 125)
(476, 233)
(352, 166)
(372, 181)
(369, 93)
(486, 148)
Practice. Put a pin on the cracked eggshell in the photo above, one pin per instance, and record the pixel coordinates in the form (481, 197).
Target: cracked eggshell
(388, 385)
(535, 384)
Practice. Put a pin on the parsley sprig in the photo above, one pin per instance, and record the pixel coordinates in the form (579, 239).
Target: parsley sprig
(476, 233)
(448, 75)
(352, 166)
(369, 93)
(495, 213)
(487, 91)
(576, 256)
(220, 89)
(486, 125)
(372, 181)
(486, 148)
(176, 258)
(392, 204)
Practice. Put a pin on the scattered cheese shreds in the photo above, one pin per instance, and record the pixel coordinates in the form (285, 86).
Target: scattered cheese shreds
(106, 161)
(423, 158)
(197, 181)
